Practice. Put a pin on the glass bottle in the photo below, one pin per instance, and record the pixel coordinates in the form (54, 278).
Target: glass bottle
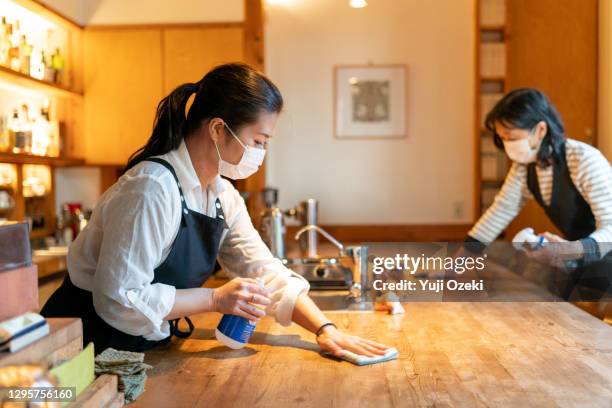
(37, 64)
(5, 43)
(16, 136)
(41, 133)
(25, 54)
(13, 48)
(5, 141)
(57, 62)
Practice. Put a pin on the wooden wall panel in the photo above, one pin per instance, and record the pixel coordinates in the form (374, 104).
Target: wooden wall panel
(190, 52)
(123, 83)
(552, 46)
(254, 41)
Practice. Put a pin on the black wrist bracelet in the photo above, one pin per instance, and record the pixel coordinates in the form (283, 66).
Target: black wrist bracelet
(318, 333)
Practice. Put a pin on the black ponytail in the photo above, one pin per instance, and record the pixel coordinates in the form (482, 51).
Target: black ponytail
(234, 92)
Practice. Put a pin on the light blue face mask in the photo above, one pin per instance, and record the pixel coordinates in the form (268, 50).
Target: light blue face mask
(252, 158)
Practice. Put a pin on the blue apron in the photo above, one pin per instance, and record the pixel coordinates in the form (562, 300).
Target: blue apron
(189, 264)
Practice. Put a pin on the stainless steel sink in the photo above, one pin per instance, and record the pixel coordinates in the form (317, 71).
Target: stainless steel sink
(337, 300)
(324, 273)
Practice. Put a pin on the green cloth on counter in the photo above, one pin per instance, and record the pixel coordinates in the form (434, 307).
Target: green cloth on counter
(128, 366)
(77, 372)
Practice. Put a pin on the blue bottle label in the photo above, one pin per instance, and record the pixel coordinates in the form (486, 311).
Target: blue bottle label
(236, 328)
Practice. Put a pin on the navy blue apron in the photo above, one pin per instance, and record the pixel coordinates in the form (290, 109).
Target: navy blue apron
(572, 215)
(189, 264)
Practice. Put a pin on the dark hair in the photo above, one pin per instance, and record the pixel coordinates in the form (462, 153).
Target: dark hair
(524, 109)
(235, 92)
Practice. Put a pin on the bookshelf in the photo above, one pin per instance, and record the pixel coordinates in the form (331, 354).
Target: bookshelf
(491, 164)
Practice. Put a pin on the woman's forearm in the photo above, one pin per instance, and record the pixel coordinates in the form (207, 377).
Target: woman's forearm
(191, 301)
(307, 314)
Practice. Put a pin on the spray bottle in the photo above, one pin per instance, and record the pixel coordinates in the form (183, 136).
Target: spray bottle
(528, 236)
(235, 331)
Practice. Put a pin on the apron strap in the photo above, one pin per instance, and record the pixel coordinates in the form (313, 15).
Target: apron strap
(175, 331)
(171, 169)
(533, 184)
(220, 213)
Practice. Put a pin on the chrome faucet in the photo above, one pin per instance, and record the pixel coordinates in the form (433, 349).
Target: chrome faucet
(359, 256)
(321, 231)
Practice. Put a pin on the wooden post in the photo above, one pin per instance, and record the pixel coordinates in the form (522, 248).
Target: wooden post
(254, 56)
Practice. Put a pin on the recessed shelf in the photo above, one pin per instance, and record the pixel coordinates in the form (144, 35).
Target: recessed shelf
(19, 158)
(492, 27)
(20, 79)
(492, 182)
(492, 79)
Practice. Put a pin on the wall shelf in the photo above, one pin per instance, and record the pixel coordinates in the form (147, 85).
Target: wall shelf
(19, 158)
(492, 79)
(491, 31)
(492, 27)
(26, 81)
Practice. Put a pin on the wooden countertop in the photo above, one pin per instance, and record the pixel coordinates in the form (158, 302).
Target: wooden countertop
(457, 354)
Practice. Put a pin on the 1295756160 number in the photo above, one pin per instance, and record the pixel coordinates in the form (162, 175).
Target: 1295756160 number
(38, 394)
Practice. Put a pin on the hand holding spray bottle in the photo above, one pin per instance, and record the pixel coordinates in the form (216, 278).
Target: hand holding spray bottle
(235, 331)
(528, 236)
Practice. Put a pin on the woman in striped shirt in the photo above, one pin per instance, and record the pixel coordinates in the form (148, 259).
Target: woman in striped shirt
(570, 180)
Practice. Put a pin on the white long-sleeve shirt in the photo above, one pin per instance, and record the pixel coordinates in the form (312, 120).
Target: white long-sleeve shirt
(591, 174)
(132, 230)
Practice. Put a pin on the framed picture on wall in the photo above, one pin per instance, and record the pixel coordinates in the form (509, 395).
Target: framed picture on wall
(370, 101)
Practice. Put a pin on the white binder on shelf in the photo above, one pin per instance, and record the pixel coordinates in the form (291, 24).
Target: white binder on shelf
(492, 12)
(493, 60)
(487, 103)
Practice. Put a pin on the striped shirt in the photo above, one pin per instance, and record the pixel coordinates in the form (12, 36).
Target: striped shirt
(591, 174)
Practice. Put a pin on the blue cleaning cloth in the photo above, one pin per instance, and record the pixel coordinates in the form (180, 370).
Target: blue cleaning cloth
(361, 360)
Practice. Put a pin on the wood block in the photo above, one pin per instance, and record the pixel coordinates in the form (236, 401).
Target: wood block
(101, 393)
(18, 292)
(64, 341)
(117, 402)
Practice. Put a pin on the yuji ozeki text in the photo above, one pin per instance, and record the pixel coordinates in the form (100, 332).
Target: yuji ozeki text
(412, 264)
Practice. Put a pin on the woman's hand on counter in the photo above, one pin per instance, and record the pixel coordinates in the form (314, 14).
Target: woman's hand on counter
(335, 341)
(310, 317)
(241, 297)
(558, 251)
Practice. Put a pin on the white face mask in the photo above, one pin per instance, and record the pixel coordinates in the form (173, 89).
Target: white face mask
(251, 159)
(520, 151)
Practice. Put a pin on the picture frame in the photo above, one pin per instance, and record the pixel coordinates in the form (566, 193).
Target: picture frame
(370, 101)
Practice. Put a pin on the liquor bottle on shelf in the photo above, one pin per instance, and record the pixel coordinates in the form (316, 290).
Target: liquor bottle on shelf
(25, 54)
(37, 64)
(41, 133)
(20, 130)
(5, 141)
(48, 72)
(27, 127)
(57, 63)
(13, 47)
(5, 42)
(16, 139)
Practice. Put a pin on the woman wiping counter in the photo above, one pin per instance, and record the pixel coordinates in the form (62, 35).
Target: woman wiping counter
(569, 179)
(155, 235)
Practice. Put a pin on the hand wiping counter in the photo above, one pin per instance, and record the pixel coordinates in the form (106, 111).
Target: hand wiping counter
(361, 360)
